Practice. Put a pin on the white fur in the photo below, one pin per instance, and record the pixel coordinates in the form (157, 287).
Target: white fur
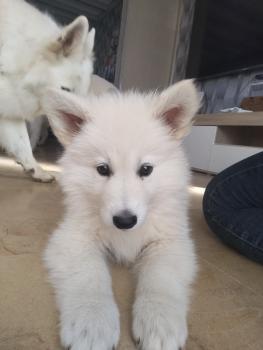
(124, 130)
(38, 127)
(35, 55)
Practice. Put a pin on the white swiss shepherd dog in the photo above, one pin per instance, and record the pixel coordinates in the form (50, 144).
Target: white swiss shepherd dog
(36, 53)
(125, 180)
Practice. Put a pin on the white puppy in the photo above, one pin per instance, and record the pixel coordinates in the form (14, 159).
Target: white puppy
(36, 53)
(125, 181)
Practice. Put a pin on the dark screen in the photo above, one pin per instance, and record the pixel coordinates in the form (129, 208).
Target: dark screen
(227, 36)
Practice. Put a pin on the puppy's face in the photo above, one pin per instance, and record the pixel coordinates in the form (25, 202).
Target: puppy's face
(124, 158)
(125, 161)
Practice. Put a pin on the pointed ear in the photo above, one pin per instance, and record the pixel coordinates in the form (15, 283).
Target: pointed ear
(66, 113)
(72, 38)
(90, 43)
(177, 106)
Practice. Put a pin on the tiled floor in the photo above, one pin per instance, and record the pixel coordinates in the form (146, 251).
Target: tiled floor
(227, 307)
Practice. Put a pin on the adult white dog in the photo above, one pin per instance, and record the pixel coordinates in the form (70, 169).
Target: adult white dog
(36, 53)
(125, 180)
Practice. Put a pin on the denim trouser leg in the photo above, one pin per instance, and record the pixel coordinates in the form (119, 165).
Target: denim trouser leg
(233, 206)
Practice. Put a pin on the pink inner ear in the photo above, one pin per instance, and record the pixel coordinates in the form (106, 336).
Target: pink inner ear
(73, 122)
(173, 116)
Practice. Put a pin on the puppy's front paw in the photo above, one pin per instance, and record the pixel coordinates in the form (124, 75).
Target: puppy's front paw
(158, 325)
(93, 327)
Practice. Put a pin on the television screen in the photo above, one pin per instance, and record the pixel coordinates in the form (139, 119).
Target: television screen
(227, 37)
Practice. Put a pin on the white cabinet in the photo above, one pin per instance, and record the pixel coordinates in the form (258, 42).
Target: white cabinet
(213, 148)
(222, 156)
(198, 146)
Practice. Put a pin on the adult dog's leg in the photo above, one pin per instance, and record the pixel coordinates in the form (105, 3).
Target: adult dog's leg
(15, 140)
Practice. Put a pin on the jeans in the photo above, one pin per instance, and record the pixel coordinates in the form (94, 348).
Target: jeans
(233, 206)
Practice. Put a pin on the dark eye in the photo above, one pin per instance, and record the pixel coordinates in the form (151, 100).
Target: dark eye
(65, 88)
(145, 170)
(104, 169)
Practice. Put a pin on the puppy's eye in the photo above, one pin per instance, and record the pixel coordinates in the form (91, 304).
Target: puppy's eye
(145, 170)
(65, 88)
(104, 170)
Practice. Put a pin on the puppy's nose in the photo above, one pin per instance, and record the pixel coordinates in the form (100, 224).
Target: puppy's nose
(125, 220)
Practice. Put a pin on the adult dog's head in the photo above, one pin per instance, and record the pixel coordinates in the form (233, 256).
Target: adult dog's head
(123, 160)
(64, 60)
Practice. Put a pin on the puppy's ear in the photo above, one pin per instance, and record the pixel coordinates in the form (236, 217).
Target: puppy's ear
(66, 113)
(177, 106)
(72, 38)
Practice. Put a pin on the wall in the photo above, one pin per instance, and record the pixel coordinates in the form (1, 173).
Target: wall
(148, 42)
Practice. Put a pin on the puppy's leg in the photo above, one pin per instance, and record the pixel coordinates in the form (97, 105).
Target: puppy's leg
(165, 272)
(15, 140)
(89, 316)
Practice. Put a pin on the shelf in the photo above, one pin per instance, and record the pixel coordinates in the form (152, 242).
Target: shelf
(230, 119)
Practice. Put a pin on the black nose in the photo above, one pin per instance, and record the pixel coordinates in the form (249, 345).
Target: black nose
(125, 220)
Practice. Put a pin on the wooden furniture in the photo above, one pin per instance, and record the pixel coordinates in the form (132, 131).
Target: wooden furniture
(230, 119)
(222, 139)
